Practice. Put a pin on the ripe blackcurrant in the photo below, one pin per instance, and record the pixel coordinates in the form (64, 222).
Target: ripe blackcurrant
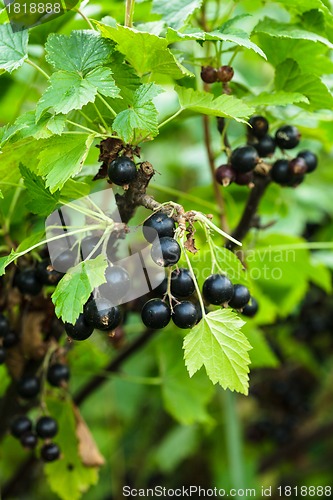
(57, 374)
(185, 314)
(182, 284)
(80, 330)
(208, 74)
(50, 452)
(161, 289)
(244, 159)
(225, 175)
(4, 325)
(310, 159)
(65, 260)
(46, 427)
(281, 173)
(101, 314)
(161, 223)
(259, 126)
(46, 274)
(287, 137)
(225, 74)
(244, 178)
(155, 314)
(28, 387)
(9, 340)
(2, 355)
(217, 289)
(265, 146)
(298, 166)
(240, 297)
(27, 282)
(122, 171)
(88, 246)
(165, 252)
(29, 440)
(251, 308)
(117, 283)
(20, 425)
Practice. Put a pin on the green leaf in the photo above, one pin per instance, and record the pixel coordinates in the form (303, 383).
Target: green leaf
(184, 398)
(140, 119)
(261, 354)
(180, 443)
(147, 53)
(320, 275)
(301, 6)
(41, 201)
(13, 47)
(218, 344)
(62, 158)
(80, 52)
(175, 13)
(68, 477)
(280, 98)
(224, 105)
(75, 287)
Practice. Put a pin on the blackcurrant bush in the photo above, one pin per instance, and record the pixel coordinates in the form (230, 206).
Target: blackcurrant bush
(88, 246)
(65, 260)
(217, 289)
(225, 175)
(9, 340)
(155, 314)
(20, 426)
(240, 297)
(310, 159)
(182, 284)
(251, 308)
(281, 173)
(46, 274)
(298, 166)
(265, 146)
(29, 440)
(259, 126)
(185, 314)
(2, 355)
(80, 330)
(57, 374)
(161, 223)
(287, 137)
(244, 159)
(101, 314)
(165, 252)
(27, 282)
(4, 325)
(50, 452)
(244, 178)
(28, 387)
(225, 74)
(46, 427)
(117, 283)
(122, 171)
(208, 74)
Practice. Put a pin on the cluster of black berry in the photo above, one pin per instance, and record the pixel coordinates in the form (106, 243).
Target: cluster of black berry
(261, 145)
(46, 428)
(28, 387)
(31, 280)
(222, 74)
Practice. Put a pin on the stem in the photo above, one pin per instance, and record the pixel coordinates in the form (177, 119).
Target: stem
(129, 12)
(186, 196)
(100, 116)
(85, 18)
(91, 131)
(202, 305)
(107, 104)
(13, 205)
(201, 217)
(170, 118)
(38, 68)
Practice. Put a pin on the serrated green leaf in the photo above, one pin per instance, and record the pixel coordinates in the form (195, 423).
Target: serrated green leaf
(147, 53)
(102, 79)
(40, 200)
(80, 52)
(224, 105)
(13, 47)
(62, 158)
(235, 35)
(75, 287)
(301, 6)
(280, 98)
(140, 119)
(175, 13)
(218, 344)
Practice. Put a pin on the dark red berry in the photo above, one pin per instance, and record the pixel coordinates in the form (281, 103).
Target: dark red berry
(20, 425)
(50, 452)
(208, 74)
(225, 74)
(244, 159)
(244, 179)
(80, 330)
(298, 166)
(287, 137)
(122, 171)
(185, 314)
(310, 159)
(240, 297)
(259, 126)
(225, 175)
(158, 224)
(265, 146)
(155, 314)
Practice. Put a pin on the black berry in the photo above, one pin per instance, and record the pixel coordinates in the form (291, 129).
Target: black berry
(57, 374)
(244, 159)
(2, 355)
(251, 308)
(287, 137)
(208, 74)
(281, 173)
(259, 126)
(244, 178)
(50, 452)
(65, 260)
(20, 425)
(225, 74)
(101, 314)
(240, 297)
(46, 274)
(155, 314)
(265, 146)
(225, 175)
(310, 159)
(165, 252)
(46, 427)
(28, 387)
(185, 314)
(4, 325)
(9, 340)
(217, 289)
(29, 440)
(161, 289)
(27, 282)
(117, 283)
(88, 247)
(182, 284)
(80, 330)
(298, 166)
(122, 171)
(159, 224)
